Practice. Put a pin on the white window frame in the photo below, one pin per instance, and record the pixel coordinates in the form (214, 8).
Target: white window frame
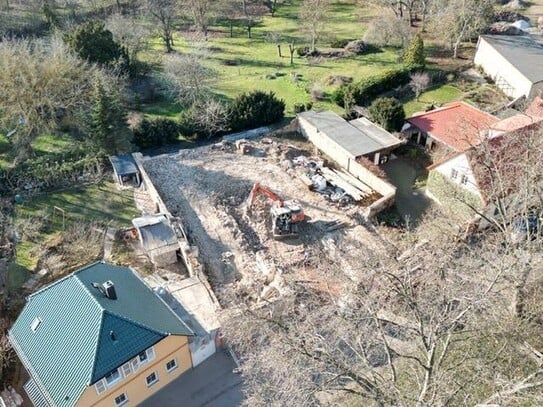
(149, 384)
(126, 369)
(175, 365)
(100, 386)
(122, 403)
(149, 356)
(118, 379)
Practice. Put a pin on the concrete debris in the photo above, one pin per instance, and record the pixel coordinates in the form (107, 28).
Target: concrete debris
(207, 190)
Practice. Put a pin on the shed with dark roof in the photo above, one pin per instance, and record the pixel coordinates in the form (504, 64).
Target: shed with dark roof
(514, 62)
(125, 169)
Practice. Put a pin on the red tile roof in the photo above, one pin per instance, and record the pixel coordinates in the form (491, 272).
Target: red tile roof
(515, 122)
(536, 108)
(456, 124)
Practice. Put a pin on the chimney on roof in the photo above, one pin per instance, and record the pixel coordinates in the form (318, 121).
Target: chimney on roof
(109, 290)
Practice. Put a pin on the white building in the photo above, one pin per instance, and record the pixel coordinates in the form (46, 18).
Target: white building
(515, 63)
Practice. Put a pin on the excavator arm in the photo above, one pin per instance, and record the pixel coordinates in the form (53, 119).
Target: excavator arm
(260, 189)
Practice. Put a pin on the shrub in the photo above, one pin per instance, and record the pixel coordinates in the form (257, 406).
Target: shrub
(94, 43)
(302, 51)
(156, 132)
(363, 92)
(388, 113)
(340, 43)
(254, 109)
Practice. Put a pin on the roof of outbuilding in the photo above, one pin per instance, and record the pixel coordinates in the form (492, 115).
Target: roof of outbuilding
(536, 108)
(155, 232)
(123, 164)
(516, 122)
(457, 124)
(522, 52)
(83, 335)
(357, 137)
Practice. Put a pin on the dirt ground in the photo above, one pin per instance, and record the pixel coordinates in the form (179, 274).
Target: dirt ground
(208, 188)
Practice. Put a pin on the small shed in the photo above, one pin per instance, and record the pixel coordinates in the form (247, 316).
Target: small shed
(344, 140)
(157, 238)
(126, 170)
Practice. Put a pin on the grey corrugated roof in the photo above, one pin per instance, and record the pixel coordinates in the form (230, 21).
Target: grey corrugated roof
(358, 137)
(155, 232)
(522, 52)
(123, 164)
(72, 346)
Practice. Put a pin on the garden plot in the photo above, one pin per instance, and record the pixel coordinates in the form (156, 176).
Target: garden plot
(208, 187)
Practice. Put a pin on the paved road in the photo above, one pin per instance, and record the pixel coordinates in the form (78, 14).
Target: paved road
(210, 384)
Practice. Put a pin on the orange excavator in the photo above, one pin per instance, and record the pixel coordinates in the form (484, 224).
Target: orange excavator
(286, 215)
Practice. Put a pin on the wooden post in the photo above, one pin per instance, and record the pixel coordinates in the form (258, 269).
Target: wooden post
(279, 50)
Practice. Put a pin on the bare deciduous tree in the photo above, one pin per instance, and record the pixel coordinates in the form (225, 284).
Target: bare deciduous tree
(312, 17)
(199, 11)
(164, 13)
(129, 33)
(419, 82)
(458, 20)
(210, 116)
(42, 83)
(187, 76)
(388, 30)
(431, 327)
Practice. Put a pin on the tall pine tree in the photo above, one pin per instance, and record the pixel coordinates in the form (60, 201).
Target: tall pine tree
(414, 54)
(109, 133)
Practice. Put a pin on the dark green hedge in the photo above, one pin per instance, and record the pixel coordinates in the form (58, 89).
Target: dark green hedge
(363, 92)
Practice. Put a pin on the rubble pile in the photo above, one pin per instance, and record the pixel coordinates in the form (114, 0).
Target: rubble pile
(208, 188)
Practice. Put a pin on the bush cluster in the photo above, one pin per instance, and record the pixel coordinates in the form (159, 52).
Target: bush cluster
(363, 92)
(156, 132)
(247, 111)
(254, 109)
(340, 43)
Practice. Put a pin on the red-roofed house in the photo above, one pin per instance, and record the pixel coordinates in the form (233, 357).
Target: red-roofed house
(463, 181)
(456, 127)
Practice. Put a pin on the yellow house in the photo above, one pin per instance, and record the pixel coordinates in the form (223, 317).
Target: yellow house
(99, 337)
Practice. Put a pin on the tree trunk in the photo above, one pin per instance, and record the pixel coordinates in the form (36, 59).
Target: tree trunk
(231, 29)
(423, 21)
(249, 32)
(291, 50)
(456, 46)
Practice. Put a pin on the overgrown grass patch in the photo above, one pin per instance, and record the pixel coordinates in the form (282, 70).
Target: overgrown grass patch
(51, 214)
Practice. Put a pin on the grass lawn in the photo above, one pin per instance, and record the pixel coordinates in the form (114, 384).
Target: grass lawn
(100, 202)
(241, 64)
(437, 96)
(47, 144)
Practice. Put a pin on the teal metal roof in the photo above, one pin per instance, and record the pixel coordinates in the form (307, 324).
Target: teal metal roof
(83, 335)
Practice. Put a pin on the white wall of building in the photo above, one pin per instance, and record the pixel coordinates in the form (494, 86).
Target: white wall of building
(499, 69)
(324, 143)
(461, 165)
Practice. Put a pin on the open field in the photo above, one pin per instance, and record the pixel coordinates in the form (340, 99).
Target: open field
(240, 64)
